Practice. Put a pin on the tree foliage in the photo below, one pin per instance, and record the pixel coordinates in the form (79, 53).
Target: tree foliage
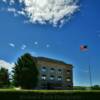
(79, 88)
(4, 78)
(25, 72)
(96, 87)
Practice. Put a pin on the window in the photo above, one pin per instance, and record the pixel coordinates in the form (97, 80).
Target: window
(59, 78)
(51, 77)
(68, 79)
(44, 69)
(68, 71)
(59, 70)
(52, 69)
(43, 77)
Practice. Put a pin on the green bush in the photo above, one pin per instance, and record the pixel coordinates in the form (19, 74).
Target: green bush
(36, 95)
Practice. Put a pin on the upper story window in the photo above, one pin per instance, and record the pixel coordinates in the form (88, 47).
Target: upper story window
(68, 71)
(44, 69)
(51, 77)
(68, 79)
(60, 70)
(43, 77)
(52, 69)
(59, 78)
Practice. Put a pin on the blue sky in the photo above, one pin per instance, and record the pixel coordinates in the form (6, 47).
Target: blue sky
(63, 43)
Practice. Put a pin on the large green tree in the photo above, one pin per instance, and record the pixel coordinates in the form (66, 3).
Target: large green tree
(4, 78)
(25, 72)
(95, 87)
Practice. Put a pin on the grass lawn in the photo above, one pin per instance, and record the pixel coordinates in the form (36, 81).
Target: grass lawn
(49, 91)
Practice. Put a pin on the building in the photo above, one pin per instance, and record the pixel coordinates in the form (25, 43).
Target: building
(54, 74)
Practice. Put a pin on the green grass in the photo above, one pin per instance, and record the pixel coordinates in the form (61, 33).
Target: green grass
(12, 89)
(12, 94)
(48, 91)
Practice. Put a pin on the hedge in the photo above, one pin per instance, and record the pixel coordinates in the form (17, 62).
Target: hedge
(48, 95)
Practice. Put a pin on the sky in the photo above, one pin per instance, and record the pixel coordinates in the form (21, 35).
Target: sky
(54, 29)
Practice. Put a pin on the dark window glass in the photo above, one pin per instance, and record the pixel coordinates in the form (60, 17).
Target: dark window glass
(59, 69)
(52, 69)
(59, 78)
(43, 69)
(51, 77)
(43, 77)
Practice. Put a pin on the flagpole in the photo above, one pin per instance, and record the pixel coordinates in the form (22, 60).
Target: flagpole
(85, 48)
(90, 73)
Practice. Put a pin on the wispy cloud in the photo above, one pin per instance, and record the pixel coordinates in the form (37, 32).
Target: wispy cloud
(4, 1)
(35, 43)
(12, 45)
(47, 45)
(23, 47)
(46, 11)
(11, 10)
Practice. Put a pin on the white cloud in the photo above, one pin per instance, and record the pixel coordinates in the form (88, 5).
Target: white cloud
(47, 11)
(23, 47)
(51, 11)
(36, 43)
(4, 1)
(12, 45)
(6, 65)
(47, 45)
(21, 13)
(11, 10)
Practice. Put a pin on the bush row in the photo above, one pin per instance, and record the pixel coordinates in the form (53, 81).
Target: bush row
(30, 95)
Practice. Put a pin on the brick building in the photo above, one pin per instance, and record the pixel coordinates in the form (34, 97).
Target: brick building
(54, 74)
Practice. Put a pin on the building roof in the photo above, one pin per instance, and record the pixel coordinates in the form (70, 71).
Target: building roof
(52, 60)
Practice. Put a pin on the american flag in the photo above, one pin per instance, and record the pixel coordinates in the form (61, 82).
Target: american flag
(83, 47)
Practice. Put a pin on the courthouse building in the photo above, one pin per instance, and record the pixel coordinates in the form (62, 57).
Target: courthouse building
(54, 74)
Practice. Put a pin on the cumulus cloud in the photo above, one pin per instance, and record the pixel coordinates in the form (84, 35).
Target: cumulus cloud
(46, 11)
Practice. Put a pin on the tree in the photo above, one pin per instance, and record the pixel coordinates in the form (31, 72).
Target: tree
(79, 88)
(25, 72)
(96, 87)
(4, 78)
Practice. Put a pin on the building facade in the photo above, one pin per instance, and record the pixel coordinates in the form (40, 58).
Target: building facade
(54, 74)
